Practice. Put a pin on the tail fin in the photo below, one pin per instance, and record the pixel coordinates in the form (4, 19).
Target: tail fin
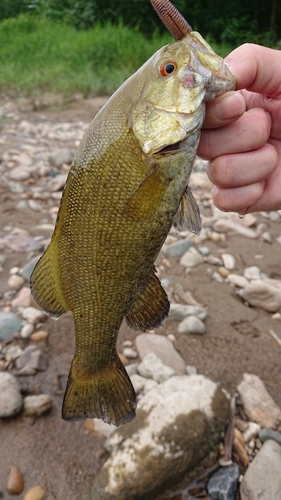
(108, 395)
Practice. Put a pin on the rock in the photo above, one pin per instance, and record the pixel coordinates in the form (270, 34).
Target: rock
(28, 268)
(225, 225)
(129, 353)
(191, 324)
(252, 273)
(252, 431)
(152, 367)
(239, 448)
(177, 424)
(180, 311)
(237, 280)
(263, 295)
(258, 404)
(131, 369)
(163, 348)
(102, 428)
(217, 277)
(10, 396)
(15, 281)
(191, 370)
(15, 481)
(223, 483)
(265, 434)
(262, 480)
(204, 251)
(26, 331)
(138, 382)
(213, 260)
(39, 335)
(223, 272)
(57, 183)
(10, 323)
(23, 298)
(191, 258)
(35, 406)
(177, 249)
(60, 157)
(35, 493)
(12, 352)
(229, 261)
(32, 358)
(149, 384)
(33, 315)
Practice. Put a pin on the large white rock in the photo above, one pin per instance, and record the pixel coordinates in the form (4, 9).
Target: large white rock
(261, 294)
(262, 480)
(163, 348)
(177, 425)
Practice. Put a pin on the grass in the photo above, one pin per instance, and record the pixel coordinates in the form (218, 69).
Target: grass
(38, 55)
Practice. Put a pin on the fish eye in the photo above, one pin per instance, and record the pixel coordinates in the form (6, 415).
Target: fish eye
(168, 68)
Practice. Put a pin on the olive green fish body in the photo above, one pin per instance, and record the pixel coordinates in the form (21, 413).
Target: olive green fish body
(126, 187)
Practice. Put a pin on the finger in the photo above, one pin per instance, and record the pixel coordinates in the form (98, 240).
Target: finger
(238, 199)
(250, 132)
(224, 109)
(256, 68)
(242, 169)
(271, 195)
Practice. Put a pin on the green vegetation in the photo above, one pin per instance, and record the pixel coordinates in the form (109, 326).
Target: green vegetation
(37, 54)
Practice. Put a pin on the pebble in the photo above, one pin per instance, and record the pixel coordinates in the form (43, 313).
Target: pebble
(227, 225)
(15, 481)
(239, 448)
(217, 277)
(191, 258)
(35, 493)
(213, 260)
(39, 335)
(33, 315)
(152, 367)
(257, 402)
(223, 272)
(252, 431)
(252, 273)
(237, 280)
(12, 352)
(191, 370)
(10, 395)
(26, 331)
(163, 348)
(35, 406)
(223, 483)
(192, 324)
(131, 369)
(28, 268)
(180, 311)
(261, 294)
(60, 157)
(31, 359)
(129, 353)
(177, 249)
(266, 433)
(23, 298)
(10, 323)
(138, 382)
(204, 250)
(229, 261)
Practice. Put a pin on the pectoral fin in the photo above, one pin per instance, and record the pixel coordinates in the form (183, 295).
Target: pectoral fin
(145, 200)
(188, 215)
(45, 282)
(151, 307)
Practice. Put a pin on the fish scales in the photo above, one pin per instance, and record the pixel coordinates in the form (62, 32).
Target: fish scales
(127, 185)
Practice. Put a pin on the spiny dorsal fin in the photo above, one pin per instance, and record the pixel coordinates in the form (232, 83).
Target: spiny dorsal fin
(151, 307)
(188, 215)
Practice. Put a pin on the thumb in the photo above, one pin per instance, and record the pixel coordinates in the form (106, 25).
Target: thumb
(256, 68)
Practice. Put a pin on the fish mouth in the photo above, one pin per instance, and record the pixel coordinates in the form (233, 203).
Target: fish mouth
(171, 148)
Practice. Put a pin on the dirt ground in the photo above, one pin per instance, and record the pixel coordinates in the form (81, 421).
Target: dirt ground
(63, 457)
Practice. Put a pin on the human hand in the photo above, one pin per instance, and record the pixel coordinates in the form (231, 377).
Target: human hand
(242, 134)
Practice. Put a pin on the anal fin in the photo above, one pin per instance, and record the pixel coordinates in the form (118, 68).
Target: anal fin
(45, 282)
(188, 215)
(151, 307)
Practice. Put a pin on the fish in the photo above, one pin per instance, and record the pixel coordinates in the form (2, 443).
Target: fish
(127, 186)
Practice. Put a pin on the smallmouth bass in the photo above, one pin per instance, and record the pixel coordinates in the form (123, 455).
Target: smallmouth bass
(126, 187)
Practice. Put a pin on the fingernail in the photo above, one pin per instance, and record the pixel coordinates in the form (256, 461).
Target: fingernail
(229, 106)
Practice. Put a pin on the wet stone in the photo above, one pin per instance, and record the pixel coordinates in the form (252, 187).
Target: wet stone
(10, 323)
(223, 483)
(177, 249)
(266, 433)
